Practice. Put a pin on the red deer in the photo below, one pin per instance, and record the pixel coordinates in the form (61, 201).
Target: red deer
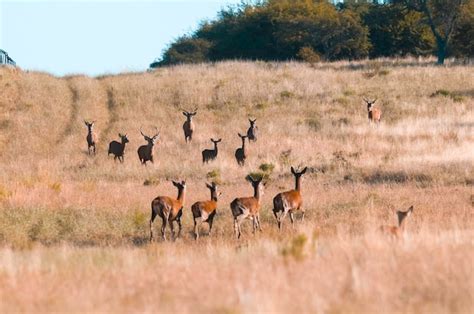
(210, 154)
(395, 231)
(252, 131)
(290, 201)
(375, 114)
(169, 209)
(248, 207)
(118, 149)
(205, 211)
(145, 152)
(188, 126)
(91, 137)
(241, 153)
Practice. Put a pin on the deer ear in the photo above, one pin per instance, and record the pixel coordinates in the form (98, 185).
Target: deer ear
(304, 170)
(174, 183)
(208, 186)
(411, 208)
(184, 113)
(293, 170)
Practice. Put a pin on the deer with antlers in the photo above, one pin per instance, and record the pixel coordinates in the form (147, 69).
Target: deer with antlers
(241, 152)
(397, 231)
(248, 207)
(188, 126)
(252, 131)
(210, 154)
(145, 152)
(375, 114)
(205, 211)
(118, 148)
(91, 137)
(290, 201)
(169, 209)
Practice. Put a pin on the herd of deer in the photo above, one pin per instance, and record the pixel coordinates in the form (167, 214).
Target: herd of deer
(170, 209)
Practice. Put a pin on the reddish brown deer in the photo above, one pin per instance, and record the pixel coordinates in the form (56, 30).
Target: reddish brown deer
(241, 152)
(248, 207)
(169, 209)
(118, 149)
(290, 201)
(205, 211)
(145, 152)
(91, 137)
(252, 131)
(375, 114)
(188, 126)
(210, 154)
(397, 231)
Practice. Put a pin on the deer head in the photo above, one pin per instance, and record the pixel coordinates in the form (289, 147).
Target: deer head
(369, 103)
(124, 138)
(150, 139)
(189, 114)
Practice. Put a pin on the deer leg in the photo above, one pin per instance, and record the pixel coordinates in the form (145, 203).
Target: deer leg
(302, 212)
(280, 219)
(196, 230)
(153, 215)
(258, 223)
(210, 220)
(179, 227)
(163, 227)
(254, 224)
(292, 218)
(237, 221)
(171, 222)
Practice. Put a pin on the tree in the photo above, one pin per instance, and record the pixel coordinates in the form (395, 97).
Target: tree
(441, 16)
(186, 50)
(463, 36)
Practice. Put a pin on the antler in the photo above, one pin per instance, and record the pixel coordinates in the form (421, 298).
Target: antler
(142, 132)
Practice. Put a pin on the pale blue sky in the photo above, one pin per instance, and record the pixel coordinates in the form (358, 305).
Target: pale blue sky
(96, 37)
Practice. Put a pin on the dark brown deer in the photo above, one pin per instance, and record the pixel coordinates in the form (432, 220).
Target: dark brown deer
(169, 209)
(118, 149)
(397, 231)
(241, 152)
(145, 152)
(248, 207)
(375, 114)
(205, 211)
(188, 126)
(252, 131)
(210, 154)
(290, 201)
(91, 137)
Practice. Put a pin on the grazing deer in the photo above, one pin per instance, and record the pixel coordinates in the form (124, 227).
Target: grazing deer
(91, 137)
(145, 152)
(375, 114)
(248, 207)
(241, 152)
(169, 209)
(287, 202)
(252, 131)
(118, 149)
(395, 231)
(188, 126)
(210, 154)
(205, 211)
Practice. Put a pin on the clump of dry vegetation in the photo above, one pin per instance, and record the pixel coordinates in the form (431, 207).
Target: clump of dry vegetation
(74, 227)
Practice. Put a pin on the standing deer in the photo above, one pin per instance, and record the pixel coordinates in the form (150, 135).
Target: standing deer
(118, 149)
(145, 152)
(287, 202)
(91, 137)
(241, 152)
(205, 211)
(169, 209)
(210, 154)
(248, 207)
(397, 231)
(375, 114)
(188, 126)
(252, 131)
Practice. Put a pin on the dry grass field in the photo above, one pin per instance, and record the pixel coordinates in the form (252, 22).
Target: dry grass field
(74, 228)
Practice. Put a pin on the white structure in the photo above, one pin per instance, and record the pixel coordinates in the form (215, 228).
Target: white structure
(5, 58)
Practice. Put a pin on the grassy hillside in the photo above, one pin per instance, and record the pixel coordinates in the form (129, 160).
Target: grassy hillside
(74, 228)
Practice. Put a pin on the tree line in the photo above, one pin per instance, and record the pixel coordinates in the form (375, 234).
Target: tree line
(314, 30)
